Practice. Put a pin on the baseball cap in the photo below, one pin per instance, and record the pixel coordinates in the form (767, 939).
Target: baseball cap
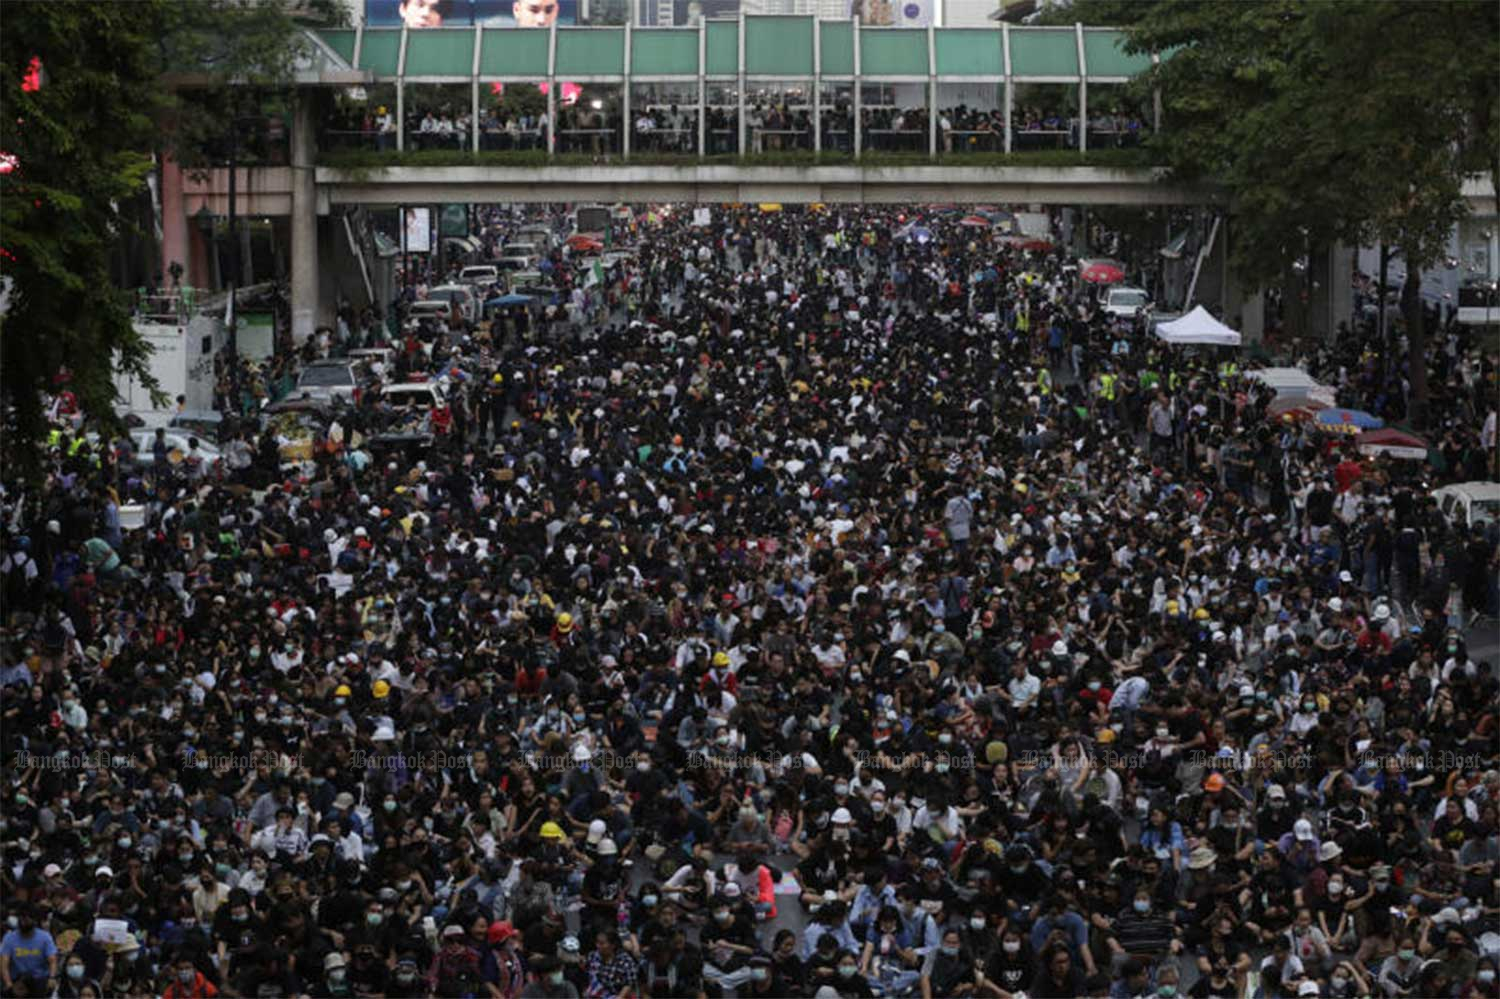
(1303, 830)
(453, 930)
(597, 829)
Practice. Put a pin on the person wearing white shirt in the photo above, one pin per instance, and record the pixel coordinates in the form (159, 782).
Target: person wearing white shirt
(1022, 689)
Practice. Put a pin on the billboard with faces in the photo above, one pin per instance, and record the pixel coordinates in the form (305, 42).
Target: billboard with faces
(415, 14)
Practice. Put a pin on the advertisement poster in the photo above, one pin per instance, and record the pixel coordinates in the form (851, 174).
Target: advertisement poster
(893, 13)
(417, 227)
(416, 14)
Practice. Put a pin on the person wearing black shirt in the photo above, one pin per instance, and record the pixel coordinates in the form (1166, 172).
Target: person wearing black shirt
(1059, 977)
(789, 974)
(1011, 965)
(949, 970)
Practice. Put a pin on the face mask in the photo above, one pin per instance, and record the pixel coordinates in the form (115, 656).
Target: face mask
(1166, 990)
(336, 975)
(642, 767)
(374, 918)
(1309, 706)
(389, 806)
(1012, 946)
(123, 842)
(1141, 905)
(945, 739)
(976, 922)
(407, 978)
(239, 917)
(1162, 733)
(75, 971)
(722, 915)
(841, 789)
(878, 807)
(555, 977)
(1018, 868)
(1338, 982)
(1486, 975)
(1406, 953)
(1094, 685)
(949, 951)
(941, 768)
(1382, 885)
(847, 970)
(1335, 888)
(185, 977)
(649, 900)
(760, 974)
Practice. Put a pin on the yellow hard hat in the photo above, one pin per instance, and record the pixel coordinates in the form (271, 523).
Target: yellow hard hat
(721, 659)
(381, 689)
(1171, 607)
(1201, 614)
(565, 622)
(498, 379)
(551, 830)
(342, 690)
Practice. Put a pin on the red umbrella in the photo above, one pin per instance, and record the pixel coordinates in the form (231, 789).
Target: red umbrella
(1103, 272)
(1294, 409)
(579, 241)
(1391, 443)
(975, 220)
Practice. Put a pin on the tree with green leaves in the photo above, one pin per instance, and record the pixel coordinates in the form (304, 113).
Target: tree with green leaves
(1328, 122)
(85, 133)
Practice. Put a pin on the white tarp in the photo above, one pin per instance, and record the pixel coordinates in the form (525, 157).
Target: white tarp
(1293, 383)
(1198, 327)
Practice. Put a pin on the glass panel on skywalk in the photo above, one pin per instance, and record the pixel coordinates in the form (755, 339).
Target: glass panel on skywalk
(664, 119)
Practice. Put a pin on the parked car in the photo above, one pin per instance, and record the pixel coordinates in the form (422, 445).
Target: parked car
(179, 447)
(480, 276)
(207, 424)
(328, 381)
(461, 294)
(1126, 303)
(520, 262)
(538, 235)
(1465, 504)
(518, 248)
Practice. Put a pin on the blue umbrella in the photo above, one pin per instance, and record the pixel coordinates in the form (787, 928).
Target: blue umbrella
(508, 300)
(1348, 421)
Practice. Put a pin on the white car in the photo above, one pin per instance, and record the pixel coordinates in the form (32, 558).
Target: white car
(179, 446)
(1468, 503)
(1126, 303)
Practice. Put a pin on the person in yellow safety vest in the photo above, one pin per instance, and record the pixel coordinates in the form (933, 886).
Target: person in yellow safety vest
(1174, 380)
(1228, 370)
(1107, 386)
(1044, 381)
(1107, 382)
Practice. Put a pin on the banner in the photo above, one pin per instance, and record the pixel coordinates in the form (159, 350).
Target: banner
(467, 13)
(417, 230)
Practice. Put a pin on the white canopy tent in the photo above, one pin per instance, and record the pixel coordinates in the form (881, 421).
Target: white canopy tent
(1198, 327)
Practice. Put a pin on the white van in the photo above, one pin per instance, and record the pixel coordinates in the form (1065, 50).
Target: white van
(462, 294)
(1465, 504)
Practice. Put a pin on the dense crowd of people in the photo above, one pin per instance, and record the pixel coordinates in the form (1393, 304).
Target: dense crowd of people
(845, 615)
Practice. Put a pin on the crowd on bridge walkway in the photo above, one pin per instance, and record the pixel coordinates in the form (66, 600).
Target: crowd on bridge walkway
(843, 614)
